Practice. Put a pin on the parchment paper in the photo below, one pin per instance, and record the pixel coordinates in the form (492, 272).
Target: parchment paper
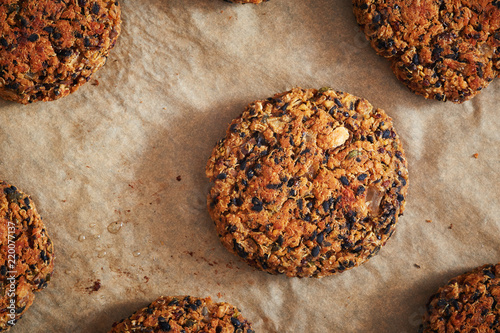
(133, 149)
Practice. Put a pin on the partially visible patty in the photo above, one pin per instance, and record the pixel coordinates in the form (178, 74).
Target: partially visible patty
(49, 48)
(185, 314)
(468, 303)
(26, 254)
(448, 50)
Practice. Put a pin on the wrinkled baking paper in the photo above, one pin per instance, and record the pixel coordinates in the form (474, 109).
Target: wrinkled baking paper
(117, 171)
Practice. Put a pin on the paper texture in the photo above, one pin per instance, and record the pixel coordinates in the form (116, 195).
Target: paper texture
(133, 149)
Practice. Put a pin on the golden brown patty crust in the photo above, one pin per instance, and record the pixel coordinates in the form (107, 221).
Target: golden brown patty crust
(49, 48)
(468, 303)
(448, 50)
(308, 183)
(27, 254)
(185, 314)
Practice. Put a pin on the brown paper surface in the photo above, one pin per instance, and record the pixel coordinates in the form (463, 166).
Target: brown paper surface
(133, 149)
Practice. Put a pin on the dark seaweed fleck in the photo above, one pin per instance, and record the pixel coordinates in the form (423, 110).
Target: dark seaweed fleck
(455, 304)
(416, 60)
(33, 38)
(442, 303)
(257, 204)
(65, 53)
(280, 240)
(163, 324)
(243, 164)
(326, 206)
(239, 249)
(476, 296)
(439, 97)
(86, 42)
(44, 256)
(489, 273)
(300, 203)
(95, 8)
(357, 249)
(27, 202)
(320, 238)
(236, 323)
(21, 309)
(174, 302)
(360, 190)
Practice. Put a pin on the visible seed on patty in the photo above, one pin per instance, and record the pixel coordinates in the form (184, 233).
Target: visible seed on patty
(360, 190)
(221, 176)
(163, 324)
(236, 323)
(95, 8)
(257, 204)
(280, 240)
(315, 251)
(65, 53)
(33, 38)
(353, 153)
(320, 238)
(335, 139)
